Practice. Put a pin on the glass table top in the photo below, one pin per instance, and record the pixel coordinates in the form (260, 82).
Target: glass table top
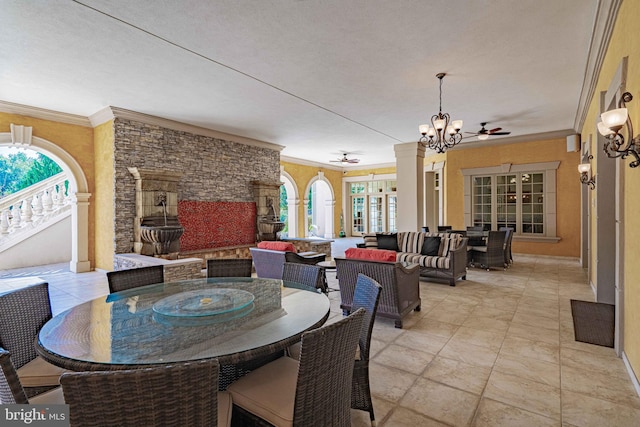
(179, 321)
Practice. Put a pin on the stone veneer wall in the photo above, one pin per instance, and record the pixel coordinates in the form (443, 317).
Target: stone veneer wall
(213, 169)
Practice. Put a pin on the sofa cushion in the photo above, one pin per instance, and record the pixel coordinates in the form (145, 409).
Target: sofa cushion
(370, 254)
(387, 241)
(411, 241)
(449, 243)
(277, 246)
(431, 246)
(370, 240)
(438, 262)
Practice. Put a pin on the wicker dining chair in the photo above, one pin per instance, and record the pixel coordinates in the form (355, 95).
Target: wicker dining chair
(11, 390)
(491, 255)
(23, 312)
(121, 280)
(229, 267)
(181, 394)
(314, 391)
(312, 276)
(508, 257)
(367, 296)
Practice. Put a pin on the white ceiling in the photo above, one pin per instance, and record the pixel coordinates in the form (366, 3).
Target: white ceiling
(317, 76)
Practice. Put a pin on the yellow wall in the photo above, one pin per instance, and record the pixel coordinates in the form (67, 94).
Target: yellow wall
(76, 140)
(625, 42)
(302, 175)
(567, 197)
(104, 195)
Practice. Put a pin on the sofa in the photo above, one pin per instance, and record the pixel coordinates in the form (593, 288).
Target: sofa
(400, 283)
(269, 258)
(443, 260)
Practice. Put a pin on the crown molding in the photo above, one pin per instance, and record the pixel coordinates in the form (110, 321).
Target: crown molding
(603, 26)
(44, 114)
(514, 139)
(111, 113)
(304, 162)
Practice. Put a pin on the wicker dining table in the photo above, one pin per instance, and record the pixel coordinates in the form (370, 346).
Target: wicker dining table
(183, 321)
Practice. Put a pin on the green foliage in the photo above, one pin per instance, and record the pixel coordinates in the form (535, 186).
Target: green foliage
(284, 208)
(18, 171)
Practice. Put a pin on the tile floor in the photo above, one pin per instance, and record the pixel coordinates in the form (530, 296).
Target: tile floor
(496, 350)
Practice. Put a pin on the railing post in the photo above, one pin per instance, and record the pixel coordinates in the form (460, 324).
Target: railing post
(4, 222)
(37, 205)
(16, 220)
(27, 211)
(47, 202)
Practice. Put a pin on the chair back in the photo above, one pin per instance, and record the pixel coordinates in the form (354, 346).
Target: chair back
(11, 390)
(444, 227)
(22, 314)
(496, 240)
(268, 263)
(229, 267)
(121, 280)
(311, 276)
(507, 244)
(323, 390)
(183, 394)
(475, 228)
(367, 296)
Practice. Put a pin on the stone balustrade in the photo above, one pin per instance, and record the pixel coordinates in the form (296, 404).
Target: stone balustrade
(33, 205)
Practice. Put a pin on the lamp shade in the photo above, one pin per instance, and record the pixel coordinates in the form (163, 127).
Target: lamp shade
(604, 130)
(457, 124)
(438, 124)
(584, 167)
(483, 136)
(423, 129)
(615, 118)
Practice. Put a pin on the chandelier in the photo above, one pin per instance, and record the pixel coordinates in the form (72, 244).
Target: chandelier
(610, 127)
(441, 135)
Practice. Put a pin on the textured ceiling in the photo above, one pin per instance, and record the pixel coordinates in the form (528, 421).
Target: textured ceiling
(317, 76)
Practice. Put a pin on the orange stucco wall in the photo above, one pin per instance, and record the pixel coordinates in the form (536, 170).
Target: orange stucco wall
(104, 195)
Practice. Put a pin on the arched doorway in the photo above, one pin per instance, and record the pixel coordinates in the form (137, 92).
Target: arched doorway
(21, 136)
(292, 201)
(319, 206)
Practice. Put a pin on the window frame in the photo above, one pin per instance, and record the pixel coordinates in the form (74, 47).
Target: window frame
(548, 169)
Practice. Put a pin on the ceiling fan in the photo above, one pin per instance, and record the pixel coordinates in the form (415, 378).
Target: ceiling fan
(345, 159)
(484, 133)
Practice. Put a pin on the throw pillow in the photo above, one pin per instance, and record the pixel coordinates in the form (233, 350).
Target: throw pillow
(370, 254)
(387, 241)
(277, 246)
(431, 246)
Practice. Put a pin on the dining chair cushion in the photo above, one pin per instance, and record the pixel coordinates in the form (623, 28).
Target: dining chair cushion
(39, 372)
(370, 254)
(277, 246)
(225, 408)
(51, 397)
(255, 391)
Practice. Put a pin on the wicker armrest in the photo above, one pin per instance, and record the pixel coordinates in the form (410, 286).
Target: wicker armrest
(408, 268)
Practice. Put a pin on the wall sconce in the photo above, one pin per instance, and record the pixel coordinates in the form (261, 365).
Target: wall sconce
(610, 127)
(585, 174)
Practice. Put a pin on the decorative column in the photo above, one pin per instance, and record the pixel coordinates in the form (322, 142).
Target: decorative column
(79, 226)
(410, 190)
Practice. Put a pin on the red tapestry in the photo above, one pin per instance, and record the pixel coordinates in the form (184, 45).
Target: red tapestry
(216, 224)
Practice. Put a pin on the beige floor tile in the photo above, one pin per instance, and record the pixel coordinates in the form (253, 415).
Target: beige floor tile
(533, 320)
(458, 374)
(383, 332)
(486, 323)
(469, 353)
(528, 395)
(436, 327)
(529, 369)
(381, 409)
(516, 347)
(546, 312)
(440, 402)
(534, 333)
(493, 312)
(591, 362)
(423, 341)
(388, 383)
(600, 386)
(489, 339)
(492, 413)
(449, 313)
(585, 411)
(402, 417)
(405, 358)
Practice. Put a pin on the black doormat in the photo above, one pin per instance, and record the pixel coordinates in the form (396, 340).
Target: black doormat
(593, 322)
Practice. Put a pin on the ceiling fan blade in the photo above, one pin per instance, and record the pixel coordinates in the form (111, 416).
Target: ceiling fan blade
(353, 160)
(495, 130)
(500, 133)
(473, 133)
